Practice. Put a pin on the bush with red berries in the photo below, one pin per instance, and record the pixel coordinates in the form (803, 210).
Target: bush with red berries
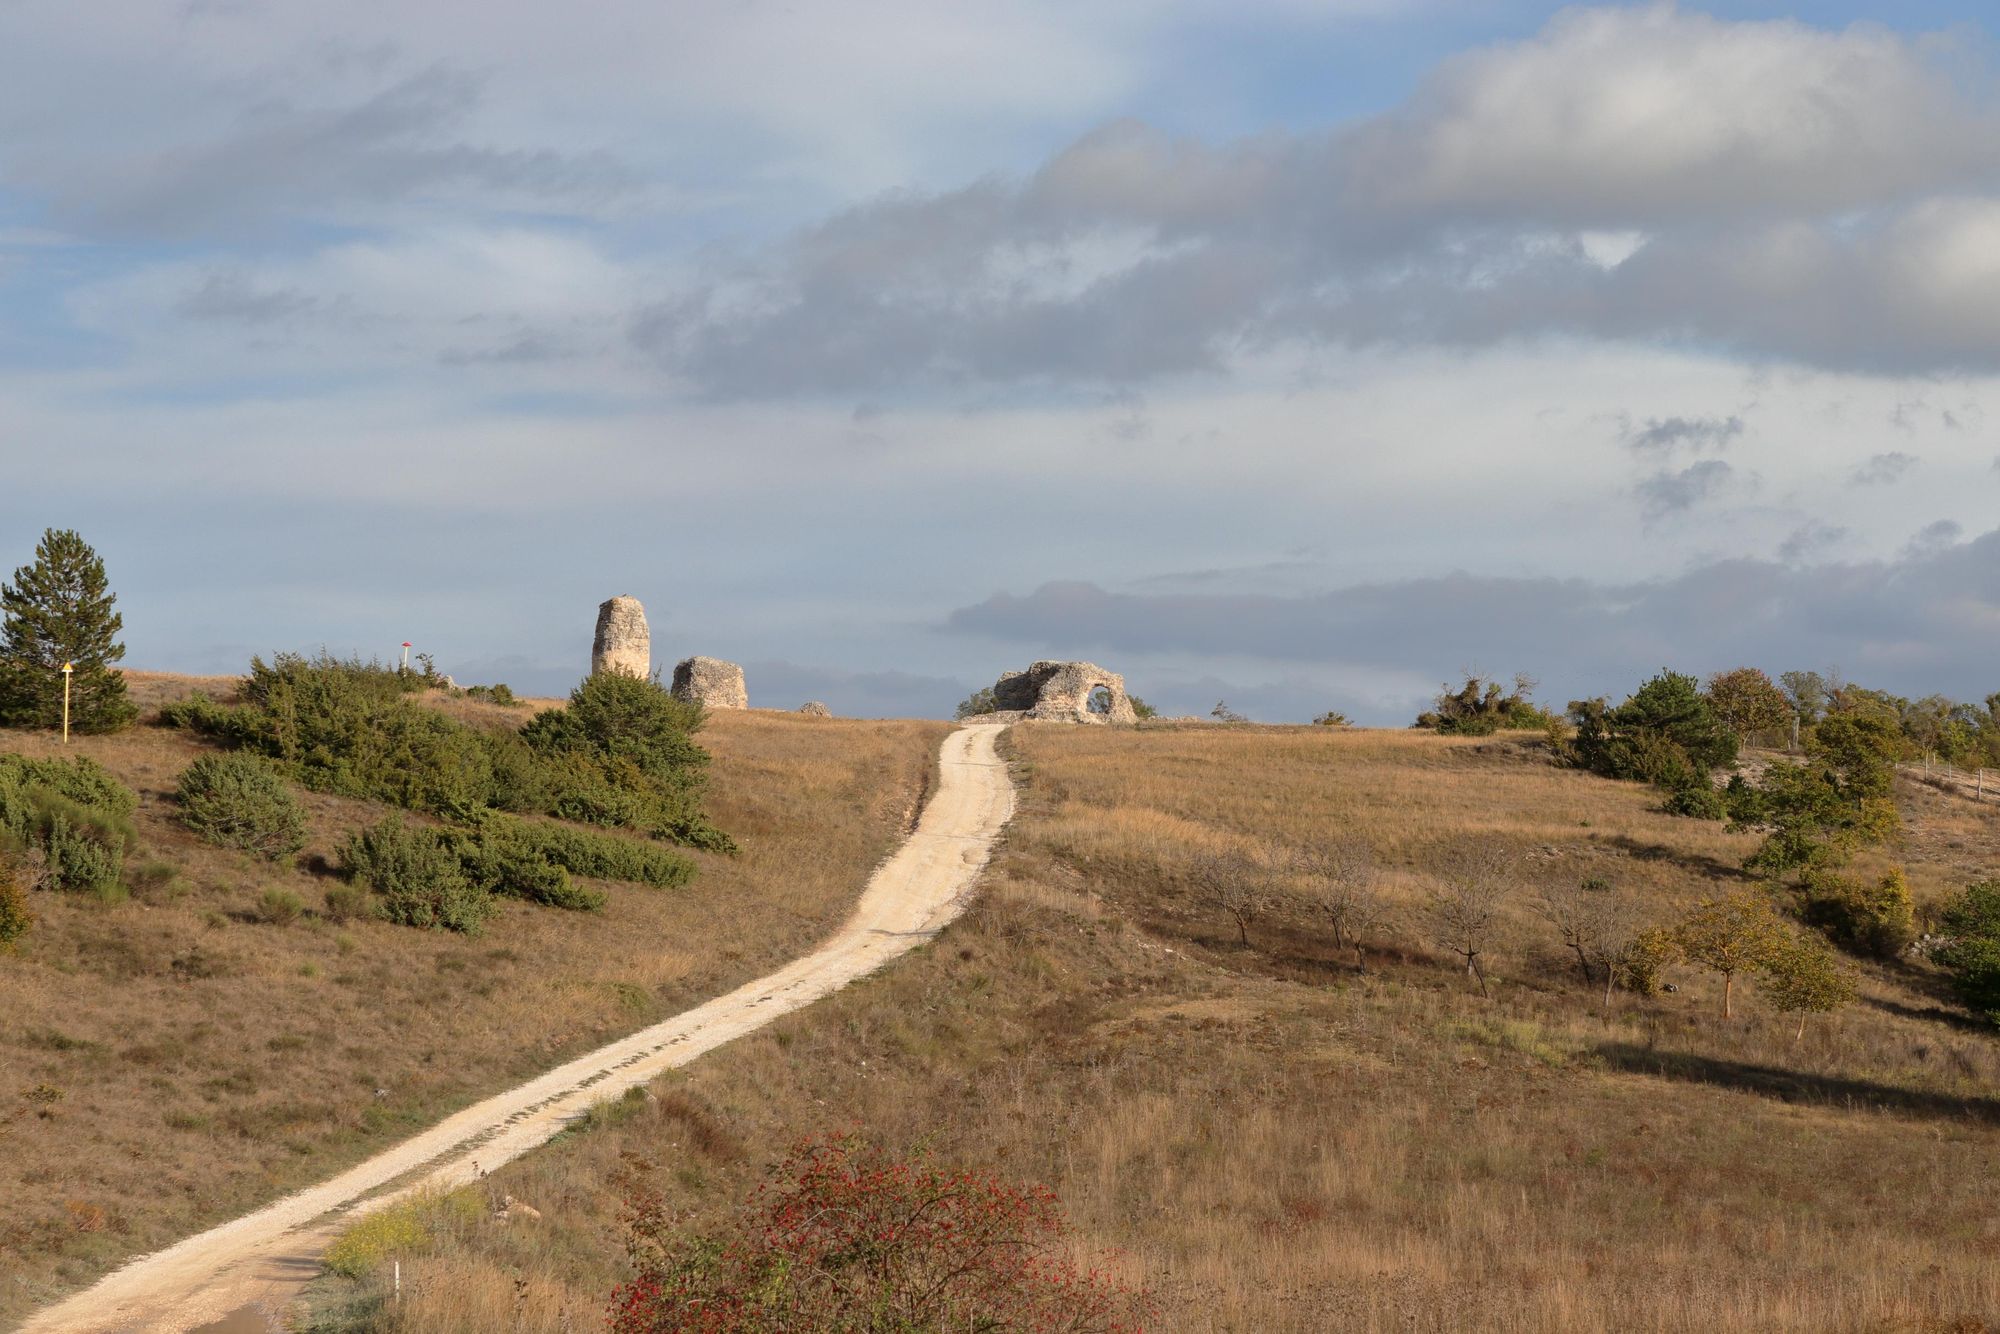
(843, 1237)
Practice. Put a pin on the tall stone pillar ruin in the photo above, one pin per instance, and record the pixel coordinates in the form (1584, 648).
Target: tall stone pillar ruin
(623, 642)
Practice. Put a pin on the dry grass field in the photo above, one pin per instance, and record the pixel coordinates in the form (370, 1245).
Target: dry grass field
(172, 1060)
(1272, 1140)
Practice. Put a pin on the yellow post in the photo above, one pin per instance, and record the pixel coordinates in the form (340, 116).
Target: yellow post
(68, 667)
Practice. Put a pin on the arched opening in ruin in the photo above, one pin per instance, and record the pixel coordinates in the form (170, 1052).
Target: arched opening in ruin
(1099, 700)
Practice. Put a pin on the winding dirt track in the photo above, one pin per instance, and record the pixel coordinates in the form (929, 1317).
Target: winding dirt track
(257, 1262)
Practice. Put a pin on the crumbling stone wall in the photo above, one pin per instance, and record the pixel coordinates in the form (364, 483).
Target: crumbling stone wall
(711, 682)
(623, 643)
(1061, 692)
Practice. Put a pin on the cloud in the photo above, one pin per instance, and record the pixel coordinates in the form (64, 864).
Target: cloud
(1921, 622)
(1666, 434)
(1667, 492)
(300, 161)
(1643, 174)
(1883, 469)
(1810, 539)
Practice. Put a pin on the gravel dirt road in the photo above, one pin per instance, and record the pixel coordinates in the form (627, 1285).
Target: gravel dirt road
(241, 1275)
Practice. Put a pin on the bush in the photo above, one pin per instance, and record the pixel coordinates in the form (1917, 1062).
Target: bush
(1696, 799)
(15, 918)
(1481, 708)
(623, 753)
(842, 1237)
(1665, 733)
(238, 801)
(416, 878)
(344, 903)
(1876, 919)
(599, 856)
(978, 702)
(1642, 964)
(71, 817)
(1970, 924)
(620, 753)
(279, 907)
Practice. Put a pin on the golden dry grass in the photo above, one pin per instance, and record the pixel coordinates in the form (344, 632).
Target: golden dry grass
(1275, 1142)
(201, 1061)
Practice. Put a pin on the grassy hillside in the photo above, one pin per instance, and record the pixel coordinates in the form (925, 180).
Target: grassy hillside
(1272, 1140)
(175, 1059)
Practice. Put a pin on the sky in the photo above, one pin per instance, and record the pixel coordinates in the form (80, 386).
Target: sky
(1301, 355)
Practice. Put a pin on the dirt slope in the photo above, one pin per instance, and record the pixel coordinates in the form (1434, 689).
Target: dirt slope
(258, 1260)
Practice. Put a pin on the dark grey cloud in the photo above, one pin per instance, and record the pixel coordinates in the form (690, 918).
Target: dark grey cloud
(1667, 434)
(1925, 621)
(1883, 469)
(1669, 492)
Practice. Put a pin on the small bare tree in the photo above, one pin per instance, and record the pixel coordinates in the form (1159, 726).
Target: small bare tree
(1233, 886)
(1474, 884)
(1342, 877)
(1592, 924)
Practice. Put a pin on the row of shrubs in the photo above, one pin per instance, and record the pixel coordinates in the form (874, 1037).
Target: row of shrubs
(448, 878)
(426, 877)
(620, 754)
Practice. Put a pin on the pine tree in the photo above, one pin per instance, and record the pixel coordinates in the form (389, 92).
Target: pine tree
(59, 610)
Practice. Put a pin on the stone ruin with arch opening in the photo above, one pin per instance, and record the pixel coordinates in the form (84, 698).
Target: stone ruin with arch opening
(1064, 692)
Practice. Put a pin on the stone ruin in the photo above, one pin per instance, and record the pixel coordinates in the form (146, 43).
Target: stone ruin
(623, 644)
(1065, 692)
(711, 682)
(812, 708)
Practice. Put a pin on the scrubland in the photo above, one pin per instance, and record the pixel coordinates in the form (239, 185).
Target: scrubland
(1269, 1137)
(176, 1058)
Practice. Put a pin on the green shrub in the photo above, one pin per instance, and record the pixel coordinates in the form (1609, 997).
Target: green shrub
(1668, 730)
(416, 878)
(1695, 799)
(15, 918)
(624, 753)
(344, 903)
(1481, 708)
(619, 754)
(1970, 925)
(239, 801)
(1876, 919)
(978, 702)
(601, 856)
(73, 815)
(279, 907)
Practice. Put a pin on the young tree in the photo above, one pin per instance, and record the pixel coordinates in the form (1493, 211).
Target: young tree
(1807, 693)
(59, 610)
(1747, 702)
(1838, 800)
(1592, 925)
(1803, 977)
(1465, 907)
(1342, 876)
(1232, 886)
(1728, 936)
(1642, 962)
